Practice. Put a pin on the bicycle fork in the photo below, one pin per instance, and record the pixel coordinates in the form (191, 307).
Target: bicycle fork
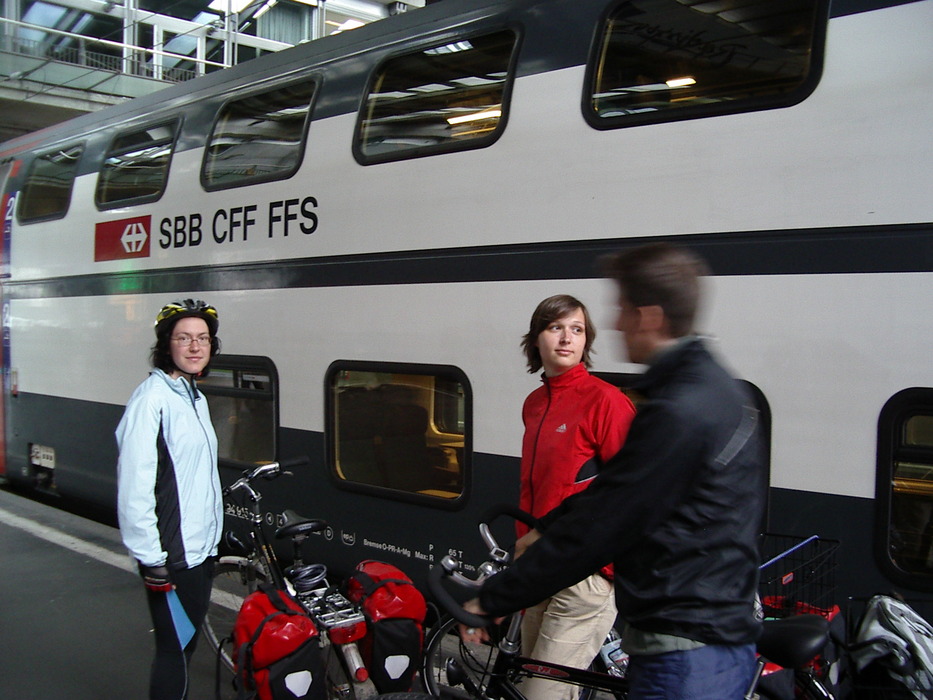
(456, 676)
(509, 647)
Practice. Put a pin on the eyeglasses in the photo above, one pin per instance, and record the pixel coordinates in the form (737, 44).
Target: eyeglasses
(201, 340)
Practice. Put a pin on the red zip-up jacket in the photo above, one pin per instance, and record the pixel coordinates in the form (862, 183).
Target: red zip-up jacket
(574, 423)
(679, 509)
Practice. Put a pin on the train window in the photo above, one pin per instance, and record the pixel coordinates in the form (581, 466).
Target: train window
(401, 431)
(258, 138)
(448, 97)
(136, 166)
(662, 60)
(905, 487)
(47, 191)
(243, 393)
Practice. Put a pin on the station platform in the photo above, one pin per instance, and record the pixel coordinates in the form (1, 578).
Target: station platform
(73, 618)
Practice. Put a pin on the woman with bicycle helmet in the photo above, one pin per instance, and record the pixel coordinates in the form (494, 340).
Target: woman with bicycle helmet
(168, 488)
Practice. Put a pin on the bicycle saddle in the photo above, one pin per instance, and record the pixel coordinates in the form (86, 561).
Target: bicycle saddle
(792, 641)
(298, 525)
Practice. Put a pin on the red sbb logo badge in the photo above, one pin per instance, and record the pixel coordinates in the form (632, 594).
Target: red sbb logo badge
(123, 239)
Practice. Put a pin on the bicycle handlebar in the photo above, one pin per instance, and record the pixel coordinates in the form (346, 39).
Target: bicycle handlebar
(269, 471)
(449, 567)
(446, 600)
(512, 511)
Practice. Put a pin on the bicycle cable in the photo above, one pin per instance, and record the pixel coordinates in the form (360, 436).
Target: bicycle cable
(307, 577)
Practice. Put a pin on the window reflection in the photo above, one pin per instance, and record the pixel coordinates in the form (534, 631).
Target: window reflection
(911, 537)
(136, 166)
(658, 58)
(47, 191)
(400, 431)
(446, 97)
(258, 138)
(243, 397)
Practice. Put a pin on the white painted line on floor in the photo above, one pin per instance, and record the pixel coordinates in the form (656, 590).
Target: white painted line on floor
(75, 544)
(101, 554)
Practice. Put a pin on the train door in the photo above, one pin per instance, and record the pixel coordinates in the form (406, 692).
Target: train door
(7, 204)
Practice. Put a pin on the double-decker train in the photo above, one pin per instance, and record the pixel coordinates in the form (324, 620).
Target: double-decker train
(376, 214)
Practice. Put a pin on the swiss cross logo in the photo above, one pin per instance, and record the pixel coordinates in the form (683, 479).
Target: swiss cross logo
(119, 240)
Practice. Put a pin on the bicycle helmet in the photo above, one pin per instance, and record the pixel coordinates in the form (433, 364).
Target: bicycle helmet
(184, 308)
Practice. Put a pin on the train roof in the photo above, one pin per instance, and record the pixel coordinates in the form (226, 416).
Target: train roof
(372, 41)
(389, 35)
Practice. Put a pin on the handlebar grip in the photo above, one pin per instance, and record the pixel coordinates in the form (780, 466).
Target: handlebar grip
(447, 601)
(513, 511)
(294, 462)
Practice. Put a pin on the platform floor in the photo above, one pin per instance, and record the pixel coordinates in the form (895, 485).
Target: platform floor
(73, 618)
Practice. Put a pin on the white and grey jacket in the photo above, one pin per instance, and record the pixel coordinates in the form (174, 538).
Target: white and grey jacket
(169, 501)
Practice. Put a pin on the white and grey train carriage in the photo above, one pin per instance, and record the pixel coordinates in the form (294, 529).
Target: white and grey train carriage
(376, 214)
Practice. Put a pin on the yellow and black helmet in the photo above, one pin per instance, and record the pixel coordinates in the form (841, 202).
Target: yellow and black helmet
(187, 307)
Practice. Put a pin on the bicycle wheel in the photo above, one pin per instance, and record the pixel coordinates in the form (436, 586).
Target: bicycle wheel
(234, 579)
(476, 660)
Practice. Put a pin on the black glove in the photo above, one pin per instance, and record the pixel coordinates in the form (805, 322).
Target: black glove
(156, 578)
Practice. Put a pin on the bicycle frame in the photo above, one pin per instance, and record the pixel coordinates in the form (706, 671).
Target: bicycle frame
(260, 548)
(509, 664)
(337, 620)
(790, 642)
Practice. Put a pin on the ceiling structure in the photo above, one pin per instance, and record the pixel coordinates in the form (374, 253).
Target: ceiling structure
(63, 58)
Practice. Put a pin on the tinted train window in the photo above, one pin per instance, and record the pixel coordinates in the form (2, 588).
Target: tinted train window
(243, 394)
(136, 166)
(444, 98)
(660, 60)
(47, 191)
(399, 430)
(905, 486)
(258, 138)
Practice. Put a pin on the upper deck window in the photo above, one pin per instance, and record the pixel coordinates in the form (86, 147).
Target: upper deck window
(444, 98)
(136, 166)
(663, 60)
(47, 190)
(258, 138)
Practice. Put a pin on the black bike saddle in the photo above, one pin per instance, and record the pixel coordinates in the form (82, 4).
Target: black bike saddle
(298, 525)
(793, 641)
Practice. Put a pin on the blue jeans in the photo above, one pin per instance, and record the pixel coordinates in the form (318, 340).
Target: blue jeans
(707, 673)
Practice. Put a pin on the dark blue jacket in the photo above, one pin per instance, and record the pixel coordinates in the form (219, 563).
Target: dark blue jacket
(677, 511)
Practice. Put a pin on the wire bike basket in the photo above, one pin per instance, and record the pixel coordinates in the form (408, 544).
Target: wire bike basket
(797, 576)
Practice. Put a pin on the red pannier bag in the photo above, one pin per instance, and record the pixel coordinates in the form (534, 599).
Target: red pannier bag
(394, 611)
(276, 651)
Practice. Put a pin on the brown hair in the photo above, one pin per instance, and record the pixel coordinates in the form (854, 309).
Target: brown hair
(161, 354)
(548, 311)
(660, 274)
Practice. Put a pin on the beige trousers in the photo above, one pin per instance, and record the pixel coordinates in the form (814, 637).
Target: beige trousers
(567, 629)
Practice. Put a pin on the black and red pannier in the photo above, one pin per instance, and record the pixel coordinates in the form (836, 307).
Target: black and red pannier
(395, 611)
(277, 651)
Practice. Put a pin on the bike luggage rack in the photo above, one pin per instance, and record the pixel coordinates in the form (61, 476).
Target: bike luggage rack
(797, 576)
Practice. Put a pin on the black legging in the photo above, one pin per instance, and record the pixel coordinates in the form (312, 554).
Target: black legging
(169, 679)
